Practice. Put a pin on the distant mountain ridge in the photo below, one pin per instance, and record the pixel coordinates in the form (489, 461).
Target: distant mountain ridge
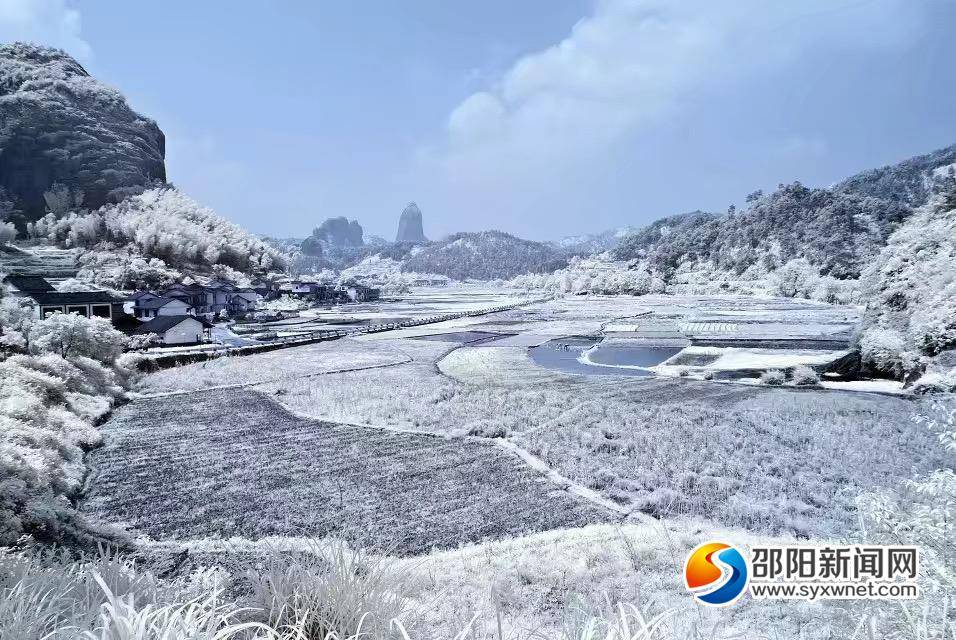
(486, 255)
(589, 243)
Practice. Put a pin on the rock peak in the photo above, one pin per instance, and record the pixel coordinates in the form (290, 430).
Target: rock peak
(410, 225)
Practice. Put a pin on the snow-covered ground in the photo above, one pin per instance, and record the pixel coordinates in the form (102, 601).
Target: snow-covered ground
(684, 460)
(281, 364)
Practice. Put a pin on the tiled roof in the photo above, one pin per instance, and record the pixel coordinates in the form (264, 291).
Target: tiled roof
(162, 324)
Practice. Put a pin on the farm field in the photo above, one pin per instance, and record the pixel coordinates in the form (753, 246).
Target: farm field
(176, 468)
(747, 456)
(315, 359)
(563, 488)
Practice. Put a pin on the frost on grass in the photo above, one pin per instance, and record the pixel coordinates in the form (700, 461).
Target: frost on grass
(322, 357)
(235, 463)
(782, 461)
(543, 584)
(752, 457)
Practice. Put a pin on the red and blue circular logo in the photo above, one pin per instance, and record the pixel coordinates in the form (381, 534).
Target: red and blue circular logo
(716, 574)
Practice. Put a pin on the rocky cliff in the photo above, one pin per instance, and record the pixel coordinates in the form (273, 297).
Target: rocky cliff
(340, 232)
(410, 225)
(59, 126)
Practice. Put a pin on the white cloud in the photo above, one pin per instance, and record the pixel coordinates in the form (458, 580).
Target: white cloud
(630, 64)
(48, 22)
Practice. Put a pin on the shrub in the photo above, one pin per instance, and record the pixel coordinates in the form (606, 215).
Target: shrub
(803, 376)
(773, 377)
(488, 429)
(885, 350)
(944, 382)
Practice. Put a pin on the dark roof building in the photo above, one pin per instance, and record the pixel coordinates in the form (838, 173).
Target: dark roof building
(156, 303)
(75, 297)
(29, 283)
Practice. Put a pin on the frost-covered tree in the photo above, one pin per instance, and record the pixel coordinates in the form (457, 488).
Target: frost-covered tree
(164, 224)
(70, 335)
(796, 279)
(911, 287)
(123, 269)
(16, 318)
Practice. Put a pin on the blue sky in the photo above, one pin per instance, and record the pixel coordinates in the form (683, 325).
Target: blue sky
(542, 118)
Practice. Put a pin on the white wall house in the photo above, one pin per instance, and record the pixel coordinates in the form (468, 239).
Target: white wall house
(172, 330)
(154, 307)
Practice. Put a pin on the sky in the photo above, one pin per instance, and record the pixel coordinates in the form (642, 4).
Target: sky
(542, 118)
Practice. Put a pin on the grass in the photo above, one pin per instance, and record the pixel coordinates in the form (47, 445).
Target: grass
(328, 592)
(751, 457)
(310, 360)
(781, 462)
(563, 585)
(237, 464)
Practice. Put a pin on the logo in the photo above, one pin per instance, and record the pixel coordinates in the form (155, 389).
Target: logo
(716, 574)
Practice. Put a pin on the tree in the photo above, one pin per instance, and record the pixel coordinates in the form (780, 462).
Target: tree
(797, 278)
(16, 317)
(70, 335)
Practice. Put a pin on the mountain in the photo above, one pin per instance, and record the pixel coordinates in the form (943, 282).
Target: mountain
(837, 230)
(334, 236)
(487, 255)
(66, 134)
(410, 225)
(910, 182)
(590, 243)
(340, 232)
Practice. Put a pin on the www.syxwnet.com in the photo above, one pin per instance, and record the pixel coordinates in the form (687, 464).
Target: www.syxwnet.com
(830, 591)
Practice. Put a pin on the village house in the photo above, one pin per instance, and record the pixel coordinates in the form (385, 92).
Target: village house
(90, 304)
(150, 305)
(176, 330)
(194, 299)
(361, 293)
(194, 295)
(310, 291)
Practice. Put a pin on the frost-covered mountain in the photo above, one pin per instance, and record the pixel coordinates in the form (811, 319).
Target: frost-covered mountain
(59, 126)
(79, 169)
(484, 256)
(838, 230)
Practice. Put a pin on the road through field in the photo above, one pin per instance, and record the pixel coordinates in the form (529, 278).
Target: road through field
(235, 463)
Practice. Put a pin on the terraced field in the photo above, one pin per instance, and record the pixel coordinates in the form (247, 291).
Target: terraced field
(237, 464)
